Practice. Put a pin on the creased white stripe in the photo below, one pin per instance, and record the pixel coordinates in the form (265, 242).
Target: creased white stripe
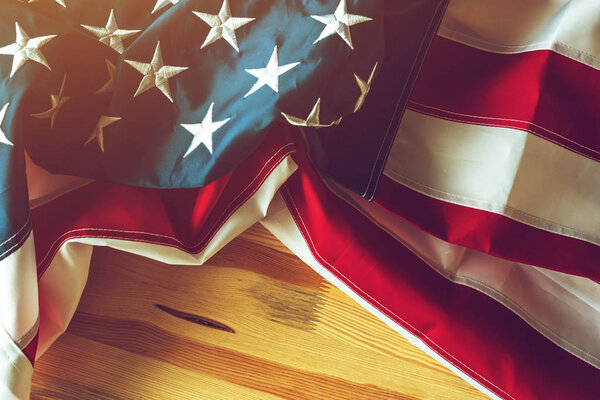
(15, 370)
(18, 320)
(501, 170)
(18, 291)
(568, 27)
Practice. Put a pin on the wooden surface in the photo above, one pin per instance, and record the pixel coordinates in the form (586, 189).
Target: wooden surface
(253, 323)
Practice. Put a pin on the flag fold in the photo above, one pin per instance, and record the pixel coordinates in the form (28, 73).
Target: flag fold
(438, 161)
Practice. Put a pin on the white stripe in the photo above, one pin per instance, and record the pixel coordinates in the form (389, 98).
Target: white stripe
(63, 282)
(568, 27)
(19, 306)
(15, 370)
(501, 170)
(18, 291)
(60, 290)
(281, 223)
(18, 316)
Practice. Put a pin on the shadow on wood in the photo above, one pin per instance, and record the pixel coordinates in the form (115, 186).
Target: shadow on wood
(253, 323)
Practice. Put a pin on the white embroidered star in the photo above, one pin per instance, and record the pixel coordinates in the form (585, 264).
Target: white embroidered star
(313, 120)
(56, 103)
(110, 84)
(156, 73)
(98, 132)
(340, 23)
(3, 138)
(61, 2)
(111, 35)
(223, 26)
(163, 3)
(203, 131)
(26, 48)
(270, 74)
(365, 88)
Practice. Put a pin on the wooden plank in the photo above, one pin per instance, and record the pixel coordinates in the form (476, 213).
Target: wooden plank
(253, 323)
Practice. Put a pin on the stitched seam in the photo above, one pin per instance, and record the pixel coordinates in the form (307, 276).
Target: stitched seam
(170, 237)
(455, 35)
(491, 206)
(595, 60)
(508, 120)
(478, 285)
(29, 335)
(17, 244)
(258, 177)
(441, 116)
(389, 130)
(306, 234)
(484, 45)
(17, 233)
(202, 243)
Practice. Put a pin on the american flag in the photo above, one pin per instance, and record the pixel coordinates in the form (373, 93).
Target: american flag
(449, 183)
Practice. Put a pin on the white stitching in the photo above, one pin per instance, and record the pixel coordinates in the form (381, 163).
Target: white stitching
(475, 284)
(18, 232)
(206, 239)
(17, 244)
(503, 119)
(447, 118)
(491, 47)
(491, 206)
(313, 248)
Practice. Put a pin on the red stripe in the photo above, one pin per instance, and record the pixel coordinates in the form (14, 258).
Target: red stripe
(489, 232)
(467, 328)
(183, 218)
(31, 348)
(540, 92)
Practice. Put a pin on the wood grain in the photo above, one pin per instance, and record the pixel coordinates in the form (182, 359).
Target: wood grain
(253, 323)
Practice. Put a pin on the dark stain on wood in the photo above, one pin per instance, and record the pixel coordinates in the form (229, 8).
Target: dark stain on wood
(278, 379)
(287, 304)
(196, 319)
